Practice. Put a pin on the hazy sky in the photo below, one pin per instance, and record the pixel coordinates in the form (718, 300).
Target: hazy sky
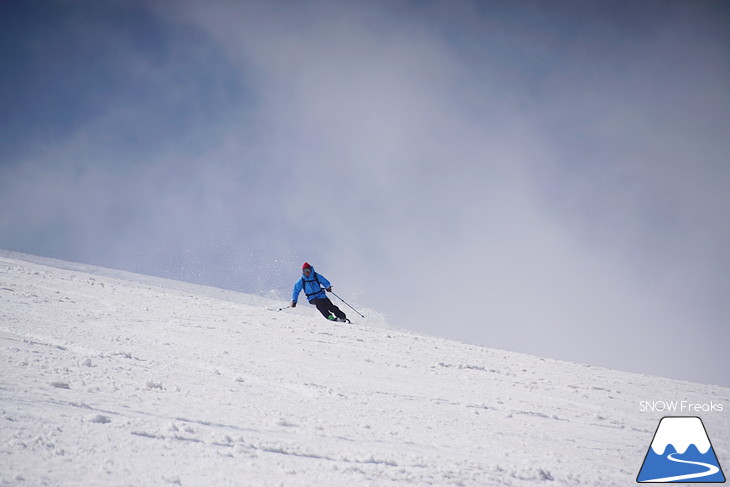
(545, 177)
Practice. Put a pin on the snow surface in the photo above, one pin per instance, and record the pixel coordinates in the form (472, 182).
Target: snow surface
(111, 378)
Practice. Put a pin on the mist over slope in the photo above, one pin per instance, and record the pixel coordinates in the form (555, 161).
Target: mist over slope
(111, 378)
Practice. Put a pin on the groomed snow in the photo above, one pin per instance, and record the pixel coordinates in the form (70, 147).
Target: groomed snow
(109, 378)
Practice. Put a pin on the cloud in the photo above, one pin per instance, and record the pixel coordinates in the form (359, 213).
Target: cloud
(544, 180)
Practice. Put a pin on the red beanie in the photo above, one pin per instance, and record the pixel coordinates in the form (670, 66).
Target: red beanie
(306, 266)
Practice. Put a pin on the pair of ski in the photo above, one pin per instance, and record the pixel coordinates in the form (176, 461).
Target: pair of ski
(330, 318)
(335, 295)
(338, 320)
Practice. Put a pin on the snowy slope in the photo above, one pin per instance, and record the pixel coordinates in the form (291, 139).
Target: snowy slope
(109, 378)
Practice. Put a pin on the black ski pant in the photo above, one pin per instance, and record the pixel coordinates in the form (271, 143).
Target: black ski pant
(326, 307)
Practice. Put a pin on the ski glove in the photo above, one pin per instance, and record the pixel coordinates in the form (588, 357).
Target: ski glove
(328, 289)
(293, 304)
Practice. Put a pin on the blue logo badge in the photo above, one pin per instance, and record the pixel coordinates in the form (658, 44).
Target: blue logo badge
(681, 452)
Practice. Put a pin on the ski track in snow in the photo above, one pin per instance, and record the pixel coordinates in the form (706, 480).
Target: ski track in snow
(110, 378)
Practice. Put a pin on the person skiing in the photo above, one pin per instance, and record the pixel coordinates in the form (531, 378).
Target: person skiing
(314, 286)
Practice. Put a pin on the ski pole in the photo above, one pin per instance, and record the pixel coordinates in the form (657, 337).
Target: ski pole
(356, 311)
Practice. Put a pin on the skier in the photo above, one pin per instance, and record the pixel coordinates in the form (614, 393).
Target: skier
(314, 286)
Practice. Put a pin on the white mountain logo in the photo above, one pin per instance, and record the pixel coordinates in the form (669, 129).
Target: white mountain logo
(681, 452)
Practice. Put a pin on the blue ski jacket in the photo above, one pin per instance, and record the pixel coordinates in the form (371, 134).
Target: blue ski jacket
(313, 286)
